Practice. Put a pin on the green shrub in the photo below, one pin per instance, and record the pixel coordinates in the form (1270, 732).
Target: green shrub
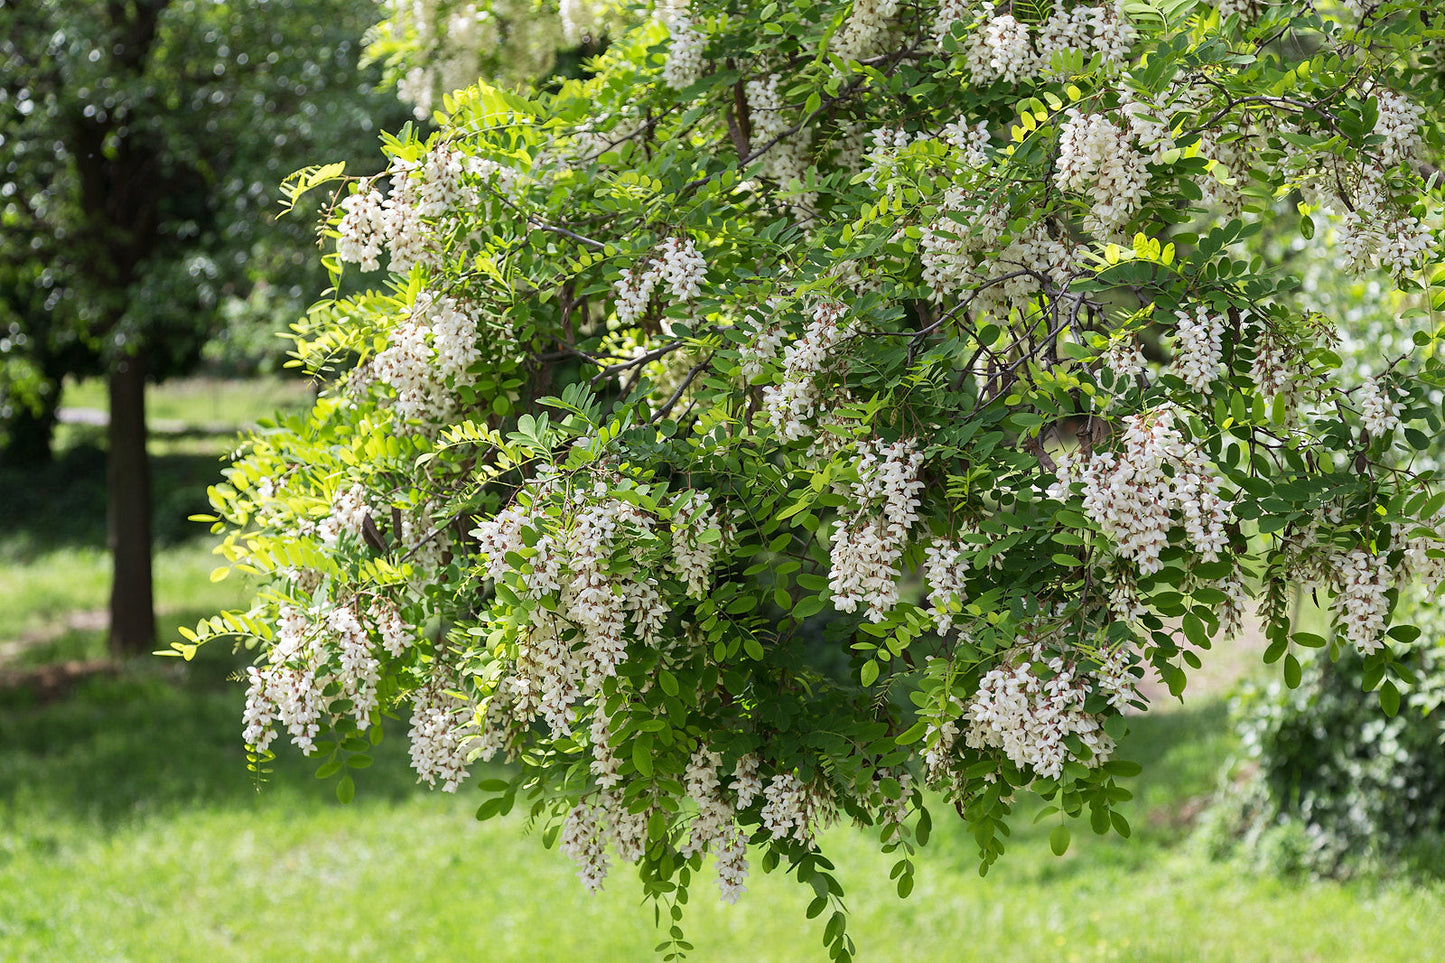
(1330, 784)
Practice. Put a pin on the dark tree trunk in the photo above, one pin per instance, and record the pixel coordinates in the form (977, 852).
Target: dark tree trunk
(29, 435)
(128, 486)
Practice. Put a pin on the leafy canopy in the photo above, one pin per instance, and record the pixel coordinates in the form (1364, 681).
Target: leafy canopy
(829, 402)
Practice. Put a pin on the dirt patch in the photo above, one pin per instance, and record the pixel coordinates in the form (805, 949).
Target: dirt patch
(91, 620)
(1221, 667)
(47, 683)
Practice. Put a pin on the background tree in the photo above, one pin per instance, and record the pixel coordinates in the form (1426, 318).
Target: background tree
(824, 321)
(144, 143)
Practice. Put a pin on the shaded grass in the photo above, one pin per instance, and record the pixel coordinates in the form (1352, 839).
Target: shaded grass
(41, 598)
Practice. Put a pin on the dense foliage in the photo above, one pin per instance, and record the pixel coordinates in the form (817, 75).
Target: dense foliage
(826, 402)
(142, 145)
(1330, 785)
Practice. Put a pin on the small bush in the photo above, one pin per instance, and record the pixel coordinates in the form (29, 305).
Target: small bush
(1332, 785)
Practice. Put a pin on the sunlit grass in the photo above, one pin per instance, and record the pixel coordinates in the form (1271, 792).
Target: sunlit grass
(201, 402)
(128, 823)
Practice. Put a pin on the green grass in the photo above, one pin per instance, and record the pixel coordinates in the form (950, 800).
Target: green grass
(128, 824)
(203, 401)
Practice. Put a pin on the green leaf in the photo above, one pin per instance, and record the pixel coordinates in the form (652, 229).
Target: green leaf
(345, 789)
(1389, 699)
(869, 674)
(905, 885)
(642, 755)
(1059, 839)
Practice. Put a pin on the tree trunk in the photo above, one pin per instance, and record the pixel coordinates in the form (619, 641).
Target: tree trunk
(29, 435)
(128, 487)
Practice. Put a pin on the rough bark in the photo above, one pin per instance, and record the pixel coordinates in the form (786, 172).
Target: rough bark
(128, 483)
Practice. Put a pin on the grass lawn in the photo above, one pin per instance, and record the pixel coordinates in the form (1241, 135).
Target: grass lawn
(130, 828)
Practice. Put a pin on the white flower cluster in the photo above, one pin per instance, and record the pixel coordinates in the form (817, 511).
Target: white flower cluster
(1028, 718)
(285, 689)
(498, 535)
(407, 365)
(1097, 158)
(940, 739)
(1115, 678)
(893, 813)
(1420, 568)
(1360, 580)
(449, 37)
(396, 635)
(1399, 123)
(760, 350)
(864, 554)
(437, 340)
(970, 140)
(1379, 413)
(432, 189)
(349, 512)
(1228, 8)
(788, 405)
(684, 65)
(453, 327)
(1103, 30)
(579, 20)
(606, 767)
(946, 568)
(593, 604)
(677, 264)
(949, 13)
(715, 829)
(695, 541)
(865, 30)
(883, 145)
(1374, 232)
(1133, 494)
(295, 684)
(441, 725)
(1199, 347)
(1153, 136)
(571, 572)
(966, 228)
(1235, 604)
(589, 828)
(422, 544)
(1274, 365)
(359, 670)
(362, 229)
(747, 784)
(787, 160)
(584, 840)
(408, 236)
(1001, 50)
(1124, 358)
(794, 809)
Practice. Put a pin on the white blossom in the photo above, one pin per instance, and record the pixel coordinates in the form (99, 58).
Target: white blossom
(1199, 347)
(1028, 718)
(1379, 413)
